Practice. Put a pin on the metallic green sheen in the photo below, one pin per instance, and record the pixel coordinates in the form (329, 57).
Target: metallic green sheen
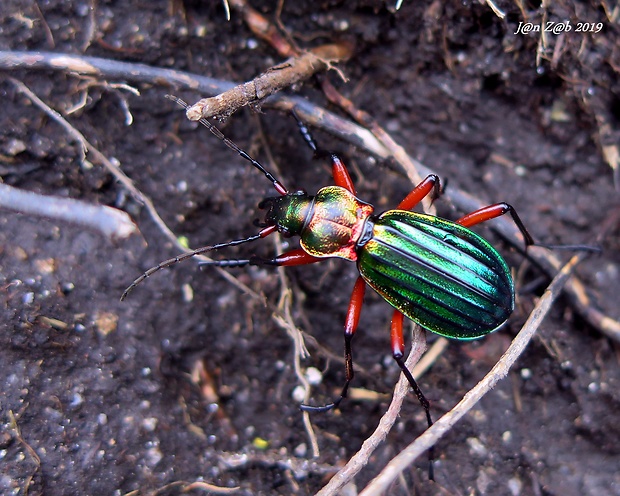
(438, 273)
(289, 212)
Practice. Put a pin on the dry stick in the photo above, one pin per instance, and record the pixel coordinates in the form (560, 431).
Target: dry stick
(290, 72)
(310, 113)
(406, 457)
(111, 222)
(122, 178)
(313, 115)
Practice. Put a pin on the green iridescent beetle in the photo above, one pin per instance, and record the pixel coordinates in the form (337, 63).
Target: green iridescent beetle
(438, 273)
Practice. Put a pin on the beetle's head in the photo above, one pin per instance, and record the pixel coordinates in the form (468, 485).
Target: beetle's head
(288, 212)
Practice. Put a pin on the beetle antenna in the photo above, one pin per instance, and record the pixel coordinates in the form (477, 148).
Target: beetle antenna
(280, 188)
(180, 258)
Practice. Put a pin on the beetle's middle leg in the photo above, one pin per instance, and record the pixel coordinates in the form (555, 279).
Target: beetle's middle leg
(398, 352)
(493, 211)
(430, 183)
(350, 326)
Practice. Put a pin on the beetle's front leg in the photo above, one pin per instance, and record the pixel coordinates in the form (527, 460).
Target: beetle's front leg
(339, 170)
(288, 259)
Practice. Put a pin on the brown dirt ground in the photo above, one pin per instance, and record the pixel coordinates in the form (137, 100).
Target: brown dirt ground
(115, 412)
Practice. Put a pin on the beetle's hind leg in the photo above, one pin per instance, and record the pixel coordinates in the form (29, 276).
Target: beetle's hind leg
(493, 211)
(398, 352)
(430, 184)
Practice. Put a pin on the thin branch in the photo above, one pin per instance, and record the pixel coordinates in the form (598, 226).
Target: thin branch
(275, 79)
(111, 222)
(310, 113)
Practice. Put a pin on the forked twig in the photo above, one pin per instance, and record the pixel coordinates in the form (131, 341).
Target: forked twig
(274, 79)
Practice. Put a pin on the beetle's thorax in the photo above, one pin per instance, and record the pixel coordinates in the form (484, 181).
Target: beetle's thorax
(329, 223)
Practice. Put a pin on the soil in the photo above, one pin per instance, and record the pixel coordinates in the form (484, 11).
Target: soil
(190, 379)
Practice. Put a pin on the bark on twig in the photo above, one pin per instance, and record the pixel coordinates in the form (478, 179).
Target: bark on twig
(311, 114)
(290, 72)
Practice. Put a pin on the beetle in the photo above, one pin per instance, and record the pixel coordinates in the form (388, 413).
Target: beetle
(436, 272)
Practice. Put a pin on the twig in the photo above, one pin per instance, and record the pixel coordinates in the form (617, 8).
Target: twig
(311, 114)
(264, 29)
(406, 457)
(111, 222)
(288, 73)
(186, 487)
(299, 467)
(13, 425)
(226, 9)
(498, 12)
